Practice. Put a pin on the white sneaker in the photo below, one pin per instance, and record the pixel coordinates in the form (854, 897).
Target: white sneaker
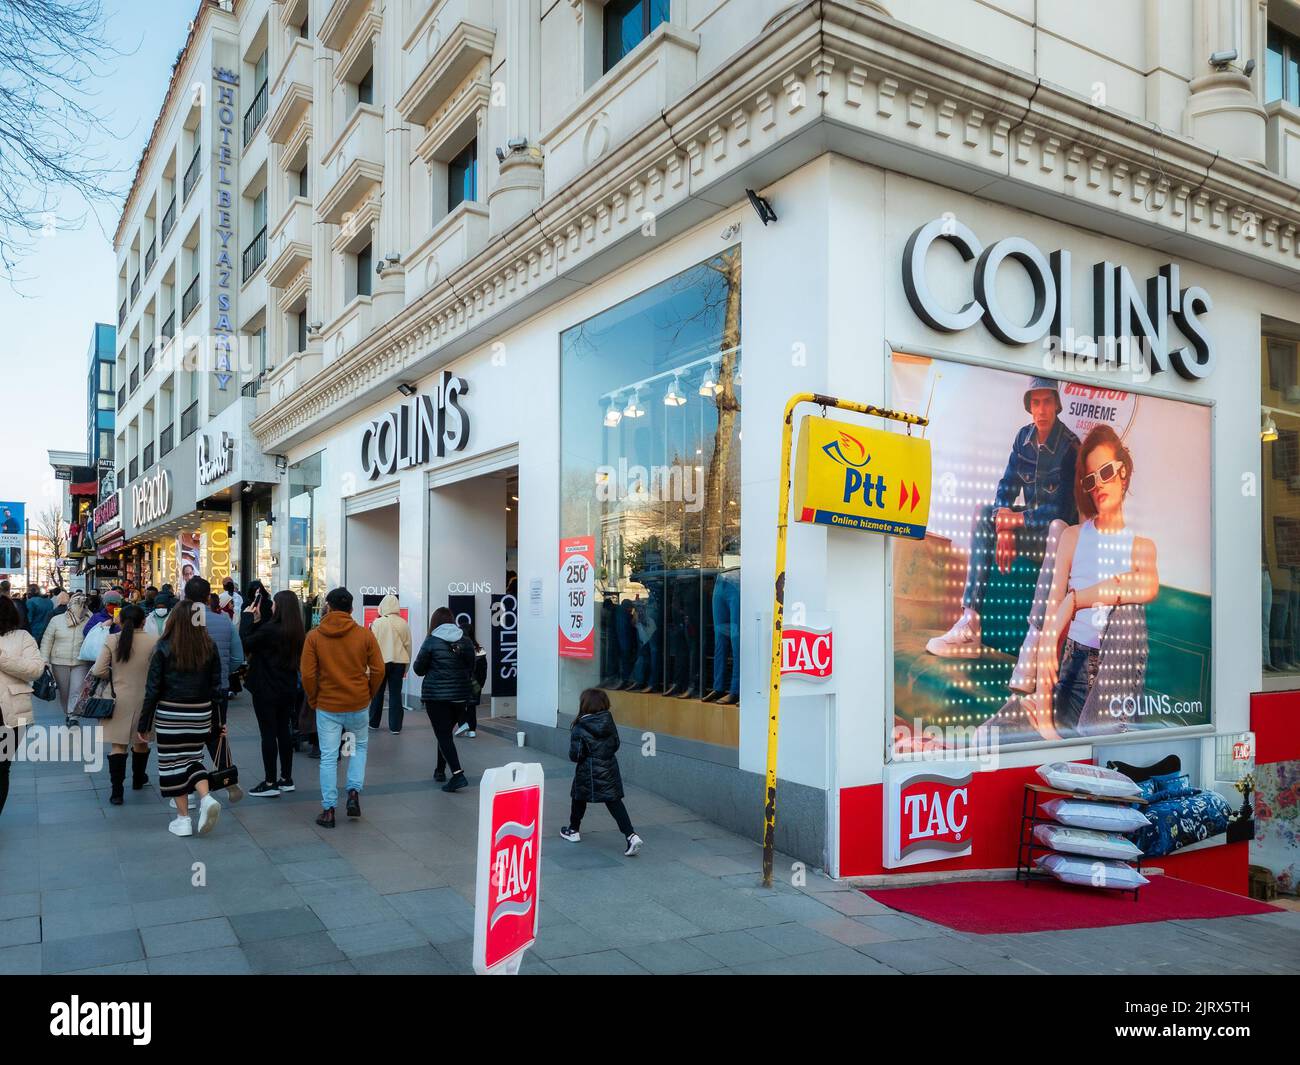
(567, 833)
(471, 734)
(209, 811)
(459, 729)
(1022, 677)
(634, 844)
(961, 641)
(181, 826)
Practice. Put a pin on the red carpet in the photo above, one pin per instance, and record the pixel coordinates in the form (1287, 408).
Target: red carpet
(1001, 906)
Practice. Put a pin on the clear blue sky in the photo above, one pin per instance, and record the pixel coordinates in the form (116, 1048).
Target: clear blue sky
(71, 275)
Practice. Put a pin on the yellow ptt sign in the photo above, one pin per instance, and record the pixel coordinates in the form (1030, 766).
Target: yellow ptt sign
(855, 477)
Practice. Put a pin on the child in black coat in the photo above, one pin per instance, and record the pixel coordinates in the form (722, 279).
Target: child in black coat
(593, 744)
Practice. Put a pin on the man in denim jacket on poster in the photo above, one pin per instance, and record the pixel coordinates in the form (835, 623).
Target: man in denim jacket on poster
(1041, 465)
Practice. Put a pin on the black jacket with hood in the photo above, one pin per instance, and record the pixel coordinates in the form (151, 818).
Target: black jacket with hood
(593, 744)
(446, 662)
(272, 670)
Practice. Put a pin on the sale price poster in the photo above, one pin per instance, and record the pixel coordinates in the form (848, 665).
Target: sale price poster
(577, 609)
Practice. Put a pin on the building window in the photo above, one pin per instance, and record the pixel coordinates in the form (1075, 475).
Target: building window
(300, 324)
(650, 439)
(300, 181)
(1282, 67)
(106, 376)
(366, 87)
(628, 23)
(365, 265)
(1280, 501)
(462, 177)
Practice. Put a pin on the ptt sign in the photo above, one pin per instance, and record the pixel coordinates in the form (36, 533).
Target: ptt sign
(856, 477)
(927, 812)
(508, 891)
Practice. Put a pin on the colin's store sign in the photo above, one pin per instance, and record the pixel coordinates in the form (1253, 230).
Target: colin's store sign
(855, 477)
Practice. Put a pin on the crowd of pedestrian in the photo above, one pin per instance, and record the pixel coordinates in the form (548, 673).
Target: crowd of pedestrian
(165, 668)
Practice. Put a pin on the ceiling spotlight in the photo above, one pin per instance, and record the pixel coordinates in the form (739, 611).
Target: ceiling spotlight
(673, 397)
(612, 416)
(634, 408)
(761, 207)
(709, 386)
(1268, 431)
(407, 390)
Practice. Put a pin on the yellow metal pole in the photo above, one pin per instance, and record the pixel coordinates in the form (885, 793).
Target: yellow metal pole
(778, 597)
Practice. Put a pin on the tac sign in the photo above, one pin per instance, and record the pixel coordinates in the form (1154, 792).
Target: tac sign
(807, 652)
(856, 477)
(508, 891)
(927, 812)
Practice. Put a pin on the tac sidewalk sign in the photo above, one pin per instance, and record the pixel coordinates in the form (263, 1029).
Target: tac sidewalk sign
(508, 889)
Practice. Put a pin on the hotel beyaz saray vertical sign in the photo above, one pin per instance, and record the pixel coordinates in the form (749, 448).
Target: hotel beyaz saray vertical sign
(225, 83)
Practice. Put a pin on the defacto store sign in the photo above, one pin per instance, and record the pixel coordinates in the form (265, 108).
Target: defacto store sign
(508, 888)
(420, 430)
(213, 467)
(151, 499)
(1130, 320)
(927, 812)
(807, 652)
(578, 597)
(855, 477)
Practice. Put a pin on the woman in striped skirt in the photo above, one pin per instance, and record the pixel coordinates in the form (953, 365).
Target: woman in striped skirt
(181, 694)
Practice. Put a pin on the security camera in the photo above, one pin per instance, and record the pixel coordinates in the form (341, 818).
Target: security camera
(1249, 68)
(1222, 59)
(501, 156)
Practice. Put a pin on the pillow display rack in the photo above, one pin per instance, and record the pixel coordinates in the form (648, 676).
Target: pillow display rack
(1075, 828)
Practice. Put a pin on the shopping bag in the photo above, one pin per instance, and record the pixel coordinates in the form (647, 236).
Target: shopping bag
(94, 641)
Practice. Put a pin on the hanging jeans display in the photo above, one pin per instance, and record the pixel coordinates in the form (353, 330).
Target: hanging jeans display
(726, 631)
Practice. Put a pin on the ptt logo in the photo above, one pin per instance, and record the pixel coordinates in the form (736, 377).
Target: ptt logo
(846, 450)
(850, 453)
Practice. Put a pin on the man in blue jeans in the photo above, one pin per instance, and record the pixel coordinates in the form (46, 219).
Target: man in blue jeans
(342, 670)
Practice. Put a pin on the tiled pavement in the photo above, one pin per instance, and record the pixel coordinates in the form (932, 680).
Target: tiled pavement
(88, 887)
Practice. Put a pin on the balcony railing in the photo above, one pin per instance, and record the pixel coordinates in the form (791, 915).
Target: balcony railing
(135, 378)
(150, 255)
(121, 397)
(135, 287)
(133, 471)
(254, 255)
(121, 314)
(165, 440)
(148, 359)
(148, 457)
(190, 300)
(169, 326)
(191, 174)
(249, 390)
(169, 220)
(189, 420)
(256, 112)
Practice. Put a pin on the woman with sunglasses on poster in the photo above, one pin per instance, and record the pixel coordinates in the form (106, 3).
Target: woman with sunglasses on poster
(1092, 639)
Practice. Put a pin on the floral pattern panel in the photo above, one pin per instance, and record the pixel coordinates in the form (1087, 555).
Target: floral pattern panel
(1277, 822)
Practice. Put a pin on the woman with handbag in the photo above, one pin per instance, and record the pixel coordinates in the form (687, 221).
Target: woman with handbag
(273, 646)
(20, 664)
(124, 660)
(61, 648)
(181, 694)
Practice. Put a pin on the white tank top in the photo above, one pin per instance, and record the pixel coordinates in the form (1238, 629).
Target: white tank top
(1098, 556)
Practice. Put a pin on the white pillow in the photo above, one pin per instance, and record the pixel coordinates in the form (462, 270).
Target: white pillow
(1091, 872)
(1086, 841)
(1103, 816)
(1089, 779)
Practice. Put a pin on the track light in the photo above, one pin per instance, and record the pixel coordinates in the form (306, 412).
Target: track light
(407, 390)
(709, 386)
(634, 408)
(673, 397)
(612, 416)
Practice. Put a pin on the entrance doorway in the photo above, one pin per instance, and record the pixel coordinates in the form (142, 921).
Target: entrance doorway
(473, 551)
(371, 556)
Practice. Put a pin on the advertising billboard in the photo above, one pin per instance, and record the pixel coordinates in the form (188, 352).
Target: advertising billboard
(1062, 589)
(12, 525)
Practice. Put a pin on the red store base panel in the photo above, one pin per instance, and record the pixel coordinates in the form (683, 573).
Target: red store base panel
(995, 827)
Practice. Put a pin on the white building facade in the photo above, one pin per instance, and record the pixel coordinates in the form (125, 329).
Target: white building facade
(513, 308)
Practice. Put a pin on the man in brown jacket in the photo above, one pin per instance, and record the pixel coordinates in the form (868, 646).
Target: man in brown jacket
(342, 669)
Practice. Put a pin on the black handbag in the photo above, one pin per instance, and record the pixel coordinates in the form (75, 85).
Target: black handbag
(96, 706)
(225, 773)
(46, 686)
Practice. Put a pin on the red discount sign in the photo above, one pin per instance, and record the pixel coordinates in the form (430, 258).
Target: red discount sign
(577, 607)
(509, 867)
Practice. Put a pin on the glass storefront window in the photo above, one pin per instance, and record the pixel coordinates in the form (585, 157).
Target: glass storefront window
(1280, 502)
(307, 537)
(650, 442)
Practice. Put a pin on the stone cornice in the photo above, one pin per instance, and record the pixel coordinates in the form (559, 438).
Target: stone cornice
(852, 71)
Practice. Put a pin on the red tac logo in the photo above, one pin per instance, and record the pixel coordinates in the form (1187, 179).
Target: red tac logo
(935, 814)
(807, 652)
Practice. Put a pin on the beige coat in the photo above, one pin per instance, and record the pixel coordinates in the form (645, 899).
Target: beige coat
(392, 632)
(20, 665)
(62, 641)
(128, 684)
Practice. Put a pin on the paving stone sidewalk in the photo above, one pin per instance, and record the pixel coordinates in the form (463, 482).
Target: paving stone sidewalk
(89, 887)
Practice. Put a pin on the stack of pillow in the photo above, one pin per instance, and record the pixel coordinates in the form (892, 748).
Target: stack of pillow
(1090, 835)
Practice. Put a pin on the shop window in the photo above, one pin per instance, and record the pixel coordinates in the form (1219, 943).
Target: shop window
(462, 177)
(1282, 67)
(364, 265)
(366, 87)
(306, 550)
(628, 23)
(650, 409)
(1280, 502)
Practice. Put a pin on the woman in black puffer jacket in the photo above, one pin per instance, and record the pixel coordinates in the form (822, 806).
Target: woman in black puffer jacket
(593, 745)
(273, 640)
(446, 662)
